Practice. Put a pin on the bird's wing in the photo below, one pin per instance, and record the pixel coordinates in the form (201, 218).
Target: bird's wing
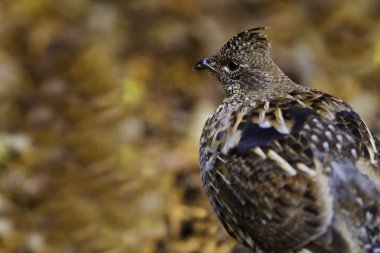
(267, 174)
(350, 122)
(271, 169)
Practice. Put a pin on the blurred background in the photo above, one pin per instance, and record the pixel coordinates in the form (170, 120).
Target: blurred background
(101, 112)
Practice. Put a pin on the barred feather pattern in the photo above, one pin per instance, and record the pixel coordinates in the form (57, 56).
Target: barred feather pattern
(266, 166)
(287, 168)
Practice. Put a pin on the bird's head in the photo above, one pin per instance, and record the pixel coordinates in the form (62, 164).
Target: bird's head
(244, 63)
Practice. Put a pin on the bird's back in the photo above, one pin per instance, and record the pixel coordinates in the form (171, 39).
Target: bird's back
(293, 172)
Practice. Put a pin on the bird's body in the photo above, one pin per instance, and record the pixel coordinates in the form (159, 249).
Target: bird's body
(285, 167)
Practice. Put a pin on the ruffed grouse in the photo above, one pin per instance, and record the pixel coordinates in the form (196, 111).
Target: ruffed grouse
(287, 168)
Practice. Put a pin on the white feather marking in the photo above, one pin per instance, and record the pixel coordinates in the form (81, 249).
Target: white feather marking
(234, 136)
(319, 125)
(325, 145)
(230, 228)
(221, 159)
(339, 137)
(240, 233)
(359, 201)
(372, 155)
(266, 105)
(213, 141)
(329, 135)
(249, 240)
(301, 102)
(373, 150)
(212, 186)
(282, 163)
(283, 129)
(223, 177)
(279, 117)
(305, 251)
(354, 153)
(306, 169)
(261, 116)
(233, 218)
(265, 124)
(260, 152)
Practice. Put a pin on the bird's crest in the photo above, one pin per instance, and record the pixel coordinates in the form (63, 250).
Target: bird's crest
(252, 40)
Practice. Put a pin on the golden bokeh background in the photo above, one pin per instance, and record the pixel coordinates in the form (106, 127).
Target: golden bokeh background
(100, 111)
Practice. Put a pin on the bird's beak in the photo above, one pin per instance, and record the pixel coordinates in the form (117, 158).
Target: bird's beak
(204, 64)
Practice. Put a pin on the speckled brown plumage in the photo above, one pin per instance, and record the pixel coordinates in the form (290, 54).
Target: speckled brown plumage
(287, 168)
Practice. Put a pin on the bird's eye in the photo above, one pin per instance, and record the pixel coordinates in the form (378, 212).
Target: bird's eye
(232, 66)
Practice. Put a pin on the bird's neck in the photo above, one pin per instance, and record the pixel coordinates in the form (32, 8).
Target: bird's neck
(270, 83)
(271, 75)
